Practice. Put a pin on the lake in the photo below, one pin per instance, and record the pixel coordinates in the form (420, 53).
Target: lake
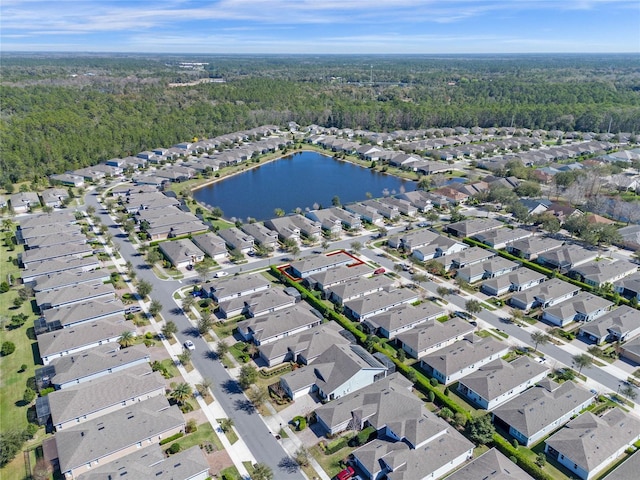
(303, 180)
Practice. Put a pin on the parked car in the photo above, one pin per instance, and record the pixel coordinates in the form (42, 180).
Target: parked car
(189, 345)
(133, 309)
(379, 271)
(346, 474)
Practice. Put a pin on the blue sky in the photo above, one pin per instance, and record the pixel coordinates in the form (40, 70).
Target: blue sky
(321, 26)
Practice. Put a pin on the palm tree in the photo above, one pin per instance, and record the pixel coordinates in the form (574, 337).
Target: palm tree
(187, 303)
(582, 360)
(127, 338)
(226, 424)
(181, 392)
(261, 472)
(539, 338)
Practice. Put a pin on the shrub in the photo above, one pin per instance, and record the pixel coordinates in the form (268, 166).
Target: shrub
(7, 348)
(174, 448)
(336, 445)
(433, 382)
(28, 396)
(46, 391)
(431, 396)
(171, 438)
(363, 436)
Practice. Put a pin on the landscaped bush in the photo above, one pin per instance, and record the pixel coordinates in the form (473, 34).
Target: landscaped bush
(362, 437)
(523, 462)
(7, 348)
(175, 448)
(171, 438)
(336, 446)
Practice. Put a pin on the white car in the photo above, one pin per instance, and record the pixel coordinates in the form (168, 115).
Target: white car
(189, 345)
(221, 274)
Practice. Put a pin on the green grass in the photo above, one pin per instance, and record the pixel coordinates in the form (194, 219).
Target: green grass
(230, 473)
(204, 434)
(171, 367)
(331, 464)
(12, 382)
(230, 434)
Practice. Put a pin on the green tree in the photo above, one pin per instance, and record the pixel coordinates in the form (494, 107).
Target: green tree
(248, 376)
(204, 387)
(185, 357)
(258, 395)
(335, 201)
(629, 392)
(356, 246)
(528, 189)
(301, 456)
(28, 396)
(279, 212)
(127, 338)
(7, 348)
(581, 361)
(443, 291)
(221, 349)
(226, 424)
(539, 338)
(155, 307)
(473, 306)
(204, 324)
(144, 288)
(169, 329)
(188, 302)
(181, 393)
(481, 430)
(261, 472)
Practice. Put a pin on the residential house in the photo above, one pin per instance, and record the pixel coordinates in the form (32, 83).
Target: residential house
(536, 206)
(285, 228)
(417, 198)
(465, 258)
(54, 197)
(340, 370)
(597, 274)
(448, 195)
(303, 347)
(631, 351)
(567, 257)
(491, 465)
(366, 214)
(182, 253)
(387, 211)
(502, 237)
(237, 240)
(433, 335)
(546, 294)
(630, 237)
(275, 326)
(117, 434)
(78, 313)
(589, 443)
(441, 246)
(583, 307)
(225, 289)
(359, 287)
(263, 236)
(454, 361)
(257, 304)
(308, 266)
(404, 207)
(516, 281)
(412, 443)
(334, 219)
(70, 341)
(67, 179)
(500, 381)
(473, 227)
(334, 276)
(151, 462)
(55, 252)
(626, 470)
(96, 362)
(69, 279)
(403, 318)
(70, 234)
(492, 268)
(409, 241)
(530, 248)
(212, 245)
(629, 287)
(80, 403)
(362, 308)
(541, 409)
(65, 296)
(23, 202)
(617, 325)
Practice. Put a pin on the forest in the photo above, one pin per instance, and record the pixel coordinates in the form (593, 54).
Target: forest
(68, 111)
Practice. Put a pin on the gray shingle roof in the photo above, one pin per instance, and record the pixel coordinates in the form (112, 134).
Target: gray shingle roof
(108, 391)
(541, 405)
(81, 312)
(498, 377)
(404, 315)
(339, 274)
(433, 332)
(115, 431)
(452, 359)
(372, 303)
(278, 323)
(621, 321)
(491, 465)
(589, 440)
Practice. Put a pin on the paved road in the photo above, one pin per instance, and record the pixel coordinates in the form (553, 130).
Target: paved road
(253, 431)
(554, 354)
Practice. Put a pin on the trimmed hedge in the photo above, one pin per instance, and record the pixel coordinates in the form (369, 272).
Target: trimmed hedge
(523, 461)
(336, 446)
(171, 438)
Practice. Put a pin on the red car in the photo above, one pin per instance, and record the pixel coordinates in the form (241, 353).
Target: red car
(379, 271)
(346, 474)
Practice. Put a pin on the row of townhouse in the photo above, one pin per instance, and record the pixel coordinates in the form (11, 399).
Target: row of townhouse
(99, 389)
